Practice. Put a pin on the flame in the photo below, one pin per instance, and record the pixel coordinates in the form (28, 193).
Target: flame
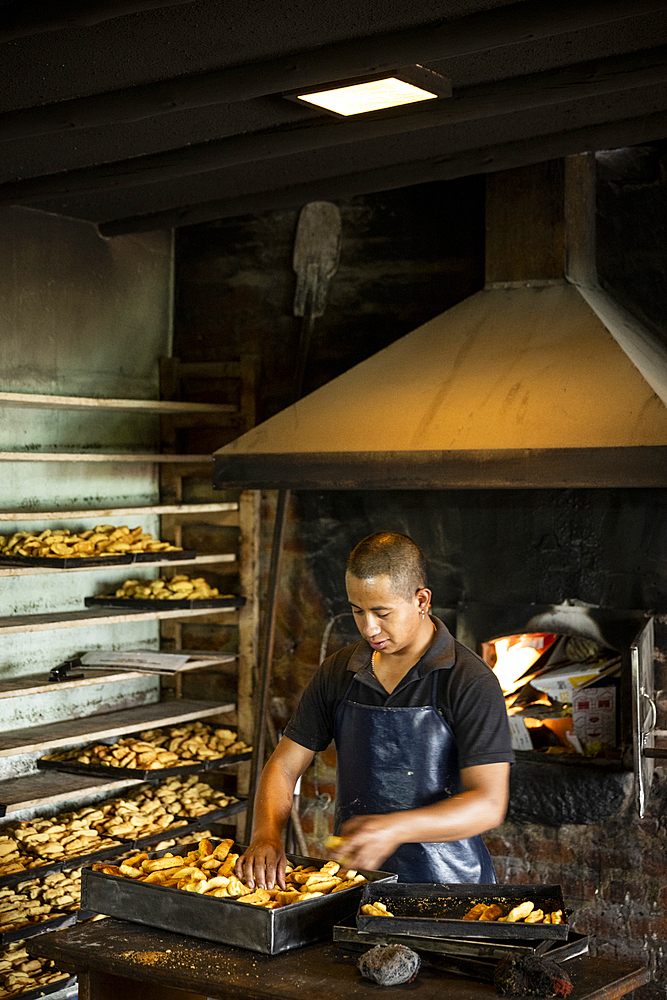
(515, 655)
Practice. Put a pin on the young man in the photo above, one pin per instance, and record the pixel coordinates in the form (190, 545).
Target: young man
(421, 734)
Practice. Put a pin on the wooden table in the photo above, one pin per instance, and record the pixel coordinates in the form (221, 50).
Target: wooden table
(116, 959)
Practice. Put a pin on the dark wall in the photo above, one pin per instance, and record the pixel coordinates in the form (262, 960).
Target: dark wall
(606, 547)
(632, 230)
(405, 256)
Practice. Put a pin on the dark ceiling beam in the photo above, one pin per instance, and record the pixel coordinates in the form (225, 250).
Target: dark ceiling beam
(488, 159)
(588, 80)
(20, 19)
(512, 25)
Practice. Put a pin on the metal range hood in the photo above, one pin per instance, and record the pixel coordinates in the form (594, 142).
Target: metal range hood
(538, 380)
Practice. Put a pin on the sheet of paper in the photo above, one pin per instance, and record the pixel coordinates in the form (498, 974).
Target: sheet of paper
(142, 660)
(520, 736)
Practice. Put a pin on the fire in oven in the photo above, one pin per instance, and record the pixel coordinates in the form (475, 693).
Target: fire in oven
(578, 683)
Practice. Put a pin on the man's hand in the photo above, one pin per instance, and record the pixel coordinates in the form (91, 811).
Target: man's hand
(370, 840)
(262, 865)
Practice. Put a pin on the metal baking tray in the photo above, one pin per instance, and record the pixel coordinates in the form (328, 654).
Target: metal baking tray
(120, 559)
(61, 864)
(214, 815)
(64, 563)
(436, 910)
(464, 948)
(224, 920)
(32, 930)
(173, 556)
(192, 824)
(142, 774)
(147, 604)
(43, 991)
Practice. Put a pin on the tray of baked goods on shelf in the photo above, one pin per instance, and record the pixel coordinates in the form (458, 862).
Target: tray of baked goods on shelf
(188, 748)
(25, 978)
(168, 593)
(39, 905)
(104, 545)
(37, 847)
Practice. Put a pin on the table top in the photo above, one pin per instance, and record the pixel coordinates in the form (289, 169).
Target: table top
(324, 971)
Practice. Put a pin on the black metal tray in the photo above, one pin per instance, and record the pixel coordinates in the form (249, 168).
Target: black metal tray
(63, 563)
(173, 556)
(147, 604)
(215, 815)
(224, 920)
(192, 824)
(436, 910)
(43, 991)
(463, 948)
(141, 774)
(32, 930)
(120, 559)
(62, 864)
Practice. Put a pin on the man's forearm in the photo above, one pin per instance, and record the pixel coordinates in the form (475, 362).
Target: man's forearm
(274, 801)
(464, 815)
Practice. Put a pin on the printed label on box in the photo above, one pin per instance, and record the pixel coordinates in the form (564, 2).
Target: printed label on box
(594, 715)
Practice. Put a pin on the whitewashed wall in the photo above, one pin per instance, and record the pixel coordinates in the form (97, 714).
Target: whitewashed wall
(83, 316)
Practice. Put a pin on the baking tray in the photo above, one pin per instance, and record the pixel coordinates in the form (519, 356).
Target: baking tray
(43, 991)
(142, 774)
(63, 563)
(214, 815)
(192, 824)
(121, 559)
(32, 930)
(61, 864)
(147, 604)
(150, 557)
(436, 910)
(464, 948)
(223, 920)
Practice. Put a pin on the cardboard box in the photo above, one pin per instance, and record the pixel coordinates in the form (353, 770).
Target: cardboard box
(594, 715)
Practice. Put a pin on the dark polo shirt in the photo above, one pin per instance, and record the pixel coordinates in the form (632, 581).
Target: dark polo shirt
(468, 697)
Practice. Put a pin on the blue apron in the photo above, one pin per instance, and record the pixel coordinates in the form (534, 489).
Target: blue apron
(393, 759)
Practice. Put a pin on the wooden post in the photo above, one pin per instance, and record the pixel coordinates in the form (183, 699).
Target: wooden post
(249, 521)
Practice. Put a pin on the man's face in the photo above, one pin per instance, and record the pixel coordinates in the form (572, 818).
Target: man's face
(388, 621)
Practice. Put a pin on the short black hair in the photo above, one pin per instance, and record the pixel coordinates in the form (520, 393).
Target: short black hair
(388, 553)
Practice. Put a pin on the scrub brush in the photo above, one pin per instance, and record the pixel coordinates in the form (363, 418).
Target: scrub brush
(390, 965)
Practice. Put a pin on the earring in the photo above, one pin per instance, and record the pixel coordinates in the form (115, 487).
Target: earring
(423, 614)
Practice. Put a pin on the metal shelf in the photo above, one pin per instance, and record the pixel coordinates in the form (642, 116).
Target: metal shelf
(97, 727)
(151, 406)
(91, 616)
(82, 515)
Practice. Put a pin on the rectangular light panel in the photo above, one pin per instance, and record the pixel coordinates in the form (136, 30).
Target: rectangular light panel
(372, 96)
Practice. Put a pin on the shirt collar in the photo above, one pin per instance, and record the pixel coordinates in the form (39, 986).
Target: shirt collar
(440, 655)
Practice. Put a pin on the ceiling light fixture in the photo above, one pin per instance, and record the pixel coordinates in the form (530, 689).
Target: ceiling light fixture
(363, 95)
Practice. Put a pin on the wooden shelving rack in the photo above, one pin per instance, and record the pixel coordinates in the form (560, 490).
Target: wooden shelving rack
(242, 514)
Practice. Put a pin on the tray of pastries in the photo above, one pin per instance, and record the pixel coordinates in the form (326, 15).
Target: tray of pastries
(493, 911)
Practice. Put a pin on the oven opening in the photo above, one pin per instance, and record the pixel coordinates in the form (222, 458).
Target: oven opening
(562, 692)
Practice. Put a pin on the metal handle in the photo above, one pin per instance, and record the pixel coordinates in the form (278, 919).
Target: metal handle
(652, 714)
